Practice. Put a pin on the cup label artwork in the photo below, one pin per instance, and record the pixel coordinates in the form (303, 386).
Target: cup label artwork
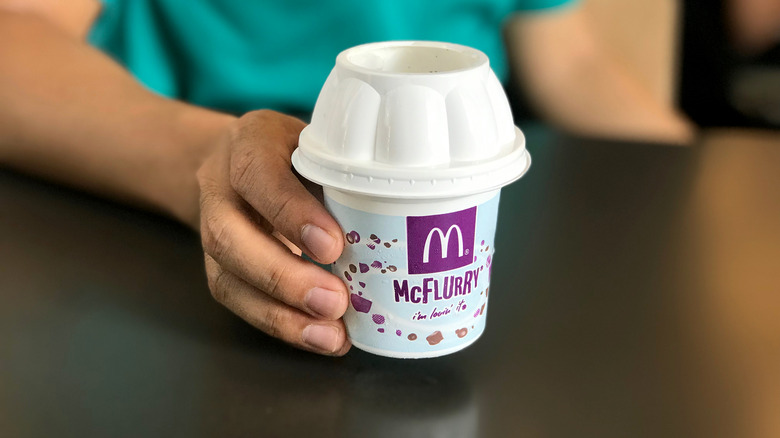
(418, 284)
(440, 242)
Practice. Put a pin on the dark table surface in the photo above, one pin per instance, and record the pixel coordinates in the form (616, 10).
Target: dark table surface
(635, 292)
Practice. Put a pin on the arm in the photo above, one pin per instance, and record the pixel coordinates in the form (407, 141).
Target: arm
(70, 114)
(574, 83)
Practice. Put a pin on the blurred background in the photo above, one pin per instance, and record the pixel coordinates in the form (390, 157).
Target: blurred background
(651, 298)
(718, 60)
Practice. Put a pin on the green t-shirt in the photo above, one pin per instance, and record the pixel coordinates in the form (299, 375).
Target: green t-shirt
(239, 55)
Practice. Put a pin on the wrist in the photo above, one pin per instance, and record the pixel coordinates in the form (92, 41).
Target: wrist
(195, 136)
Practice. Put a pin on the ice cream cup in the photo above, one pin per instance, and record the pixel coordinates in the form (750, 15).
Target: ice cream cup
(412, 142)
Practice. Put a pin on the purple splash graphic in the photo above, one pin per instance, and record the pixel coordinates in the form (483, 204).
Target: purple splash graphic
(360, 304)
(377, 264)
(378, 319)
(363, 268)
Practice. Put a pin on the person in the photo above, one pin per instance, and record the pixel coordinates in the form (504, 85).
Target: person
(150, 102)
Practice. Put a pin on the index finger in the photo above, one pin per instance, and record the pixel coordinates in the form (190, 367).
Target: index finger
(261, 173)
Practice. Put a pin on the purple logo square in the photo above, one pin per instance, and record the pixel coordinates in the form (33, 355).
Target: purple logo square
(440, 242)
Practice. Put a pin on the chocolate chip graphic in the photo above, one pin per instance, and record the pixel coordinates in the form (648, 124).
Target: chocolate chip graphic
(387, 244)
(434, 338)
(462, 332)
(392, 268)
(353, 237)
(352, 268)
(412, 337)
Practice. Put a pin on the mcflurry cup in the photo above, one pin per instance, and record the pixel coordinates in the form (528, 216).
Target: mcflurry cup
(412, 142)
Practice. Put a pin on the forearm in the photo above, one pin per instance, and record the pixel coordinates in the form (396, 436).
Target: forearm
(573, 82)
(598, 98)
(69, 113)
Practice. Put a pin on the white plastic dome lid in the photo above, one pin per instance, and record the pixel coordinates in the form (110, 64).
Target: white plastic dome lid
(412, 119)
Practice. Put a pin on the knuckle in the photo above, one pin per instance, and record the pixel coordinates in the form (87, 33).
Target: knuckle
(244, 170)
(209, 197)
(250, 125)
(271, 282)
(209, 189)
(274, 321)
(218, 281)
(216, 236)
(281, 203)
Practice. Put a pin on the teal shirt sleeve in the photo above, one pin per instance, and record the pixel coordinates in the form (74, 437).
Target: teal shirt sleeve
(129, 32)
(103, 23)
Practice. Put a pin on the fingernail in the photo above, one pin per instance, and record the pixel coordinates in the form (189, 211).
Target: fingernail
(318, 241)
(324, 302)
(321, 337)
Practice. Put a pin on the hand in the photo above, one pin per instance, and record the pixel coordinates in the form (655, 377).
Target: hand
(256, 217)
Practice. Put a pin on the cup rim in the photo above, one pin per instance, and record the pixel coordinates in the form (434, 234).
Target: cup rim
(347, 58)
(414, 183)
